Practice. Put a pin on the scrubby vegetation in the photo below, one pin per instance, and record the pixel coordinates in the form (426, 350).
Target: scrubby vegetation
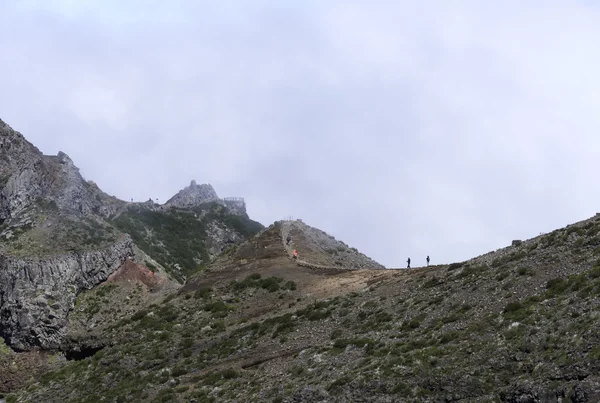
(177, 238)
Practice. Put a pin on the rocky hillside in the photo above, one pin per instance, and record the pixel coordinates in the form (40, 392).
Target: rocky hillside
(516, 325)
(61, 235)
(319, 248)
(54, 242)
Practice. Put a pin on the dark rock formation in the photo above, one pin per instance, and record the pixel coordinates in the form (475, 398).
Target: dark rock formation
(36, 294)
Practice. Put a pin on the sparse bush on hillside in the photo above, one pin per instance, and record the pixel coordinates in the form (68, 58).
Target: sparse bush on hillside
(557, 286)
(219, 309)
(270, 284)
(455, 266)
(150, 266)
(203, 293)
(470, 271)
(432, 282)
(290, 285)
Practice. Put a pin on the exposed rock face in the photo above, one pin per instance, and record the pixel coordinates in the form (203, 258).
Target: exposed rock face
(219, 237)
(26, 175)
(36, 294)
(193, 195)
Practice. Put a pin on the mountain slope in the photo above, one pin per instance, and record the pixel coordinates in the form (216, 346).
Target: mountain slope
(515, 325)
(61, 235)
(183, 240)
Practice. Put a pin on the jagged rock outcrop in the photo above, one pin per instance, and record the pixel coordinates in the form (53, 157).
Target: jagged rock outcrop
(27, 176)
(36, 294)
(193, 195)
(219, 236)
(196, 195)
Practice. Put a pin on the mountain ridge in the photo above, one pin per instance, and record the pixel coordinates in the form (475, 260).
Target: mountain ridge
(61, 235)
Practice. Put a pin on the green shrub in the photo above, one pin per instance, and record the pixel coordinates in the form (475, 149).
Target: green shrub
(594, 272)
(219, 308)
(179, 371)
(448, 337)
(556, 286)
(271, 284)
(455, 266)
(336, 333)
(342, 343)
(298, 371)
(290, 285)
(230, 373)
(319, 314)
(413, 324)
(203, 293)
(512, 307)
(471, 271)
(339, 382)
(432, 282)
(518, 310)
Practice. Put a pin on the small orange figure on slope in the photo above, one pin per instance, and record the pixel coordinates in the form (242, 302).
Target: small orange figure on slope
(295, 254)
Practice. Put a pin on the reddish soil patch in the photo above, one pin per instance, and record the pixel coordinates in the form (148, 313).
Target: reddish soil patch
(131, 271)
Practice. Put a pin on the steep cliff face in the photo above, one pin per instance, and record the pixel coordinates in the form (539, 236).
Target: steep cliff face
(36, 294)
(27, 176)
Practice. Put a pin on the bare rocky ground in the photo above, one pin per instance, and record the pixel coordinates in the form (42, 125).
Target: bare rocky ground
(516, 325)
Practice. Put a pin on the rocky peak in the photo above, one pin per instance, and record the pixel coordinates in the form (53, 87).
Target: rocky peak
(64, 159)
(15, 151)
(194, 195)
(27, 176)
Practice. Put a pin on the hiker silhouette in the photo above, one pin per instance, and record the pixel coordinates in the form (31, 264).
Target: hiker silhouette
(427, 260)
(408, 261)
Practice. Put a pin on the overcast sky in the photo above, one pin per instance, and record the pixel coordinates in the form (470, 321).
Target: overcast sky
(401, 129)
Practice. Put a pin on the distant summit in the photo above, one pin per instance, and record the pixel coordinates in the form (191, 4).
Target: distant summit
(195, 195)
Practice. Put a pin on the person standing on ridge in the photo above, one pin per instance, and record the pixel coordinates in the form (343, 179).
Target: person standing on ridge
(427, 260)
(288, 239)
(295, 254)
(408, 261)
